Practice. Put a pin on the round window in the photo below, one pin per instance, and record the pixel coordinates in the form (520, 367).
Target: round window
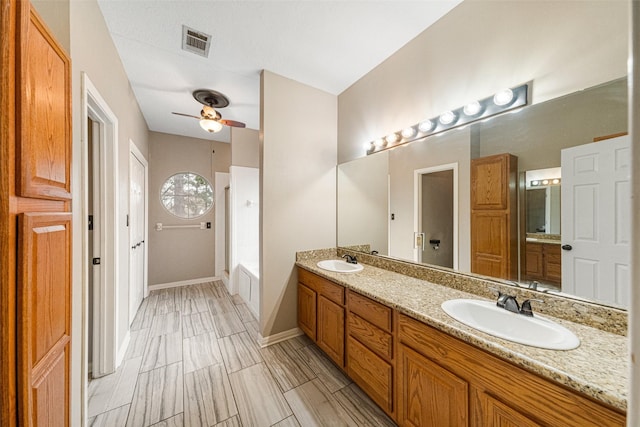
(187, 195)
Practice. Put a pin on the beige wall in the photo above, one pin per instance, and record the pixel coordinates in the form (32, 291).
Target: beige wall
(363, 199)
(181, 254)
(297, 190)
(56, 14)
(93, 52)
(245, 147)
(479, 48)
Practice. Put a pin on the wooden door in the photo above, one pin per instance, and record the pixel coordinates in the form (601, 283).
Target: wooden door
(331, 329)
(432, 395)
(307, 310)
(44, 313)
(36, 156)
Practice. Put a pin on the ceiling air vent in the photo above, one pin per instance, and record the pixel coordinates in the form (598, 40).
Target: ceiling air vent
(195, 41)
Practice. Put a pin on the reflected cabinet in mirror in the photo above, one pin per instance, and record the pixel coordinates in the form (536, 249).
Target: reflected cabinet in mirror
(566, 226)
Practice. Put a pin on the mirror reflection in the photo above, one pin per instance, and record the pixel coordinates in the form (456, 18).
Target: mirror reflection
(382, 207)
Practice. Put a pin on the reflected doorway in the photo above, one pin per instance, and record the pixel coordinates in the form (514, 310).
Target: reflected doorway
(436, 236)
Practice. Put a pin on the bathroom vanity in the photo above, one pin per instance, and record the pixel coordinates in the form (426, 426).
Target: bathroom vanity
(387, 332)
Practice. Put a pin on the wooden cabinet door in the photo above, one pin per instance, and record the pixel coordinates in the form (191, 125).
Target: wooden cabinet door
(307, 310)
(432, 396)
(330, 326)
(534, 261)
(488, 178)
(44, 318)
(498, 414)
(43, 148)
(553, 263)
(490, 243)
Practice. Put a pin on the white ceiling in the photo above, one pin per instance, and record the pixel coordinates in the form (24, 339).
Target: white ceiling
(325, 44)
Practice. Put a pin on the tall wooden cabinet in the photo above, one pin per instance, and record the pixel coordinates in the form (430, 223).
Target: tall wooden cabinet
(494, 233)
(35, 218)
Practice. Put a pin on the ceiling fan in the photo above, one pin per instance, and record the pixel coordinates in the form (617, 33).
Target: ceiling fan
(210, 119)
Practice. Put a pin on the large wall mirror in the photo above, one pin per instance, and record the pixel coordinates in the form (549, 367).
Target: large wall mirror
(383, 207)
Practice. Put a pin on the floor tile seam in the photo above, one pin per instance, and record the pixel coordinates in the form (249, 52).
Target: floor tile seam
(315, 374)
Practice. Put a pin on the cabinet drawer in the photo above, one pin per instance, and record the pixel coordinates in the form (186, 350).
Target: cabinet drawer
(322, 286)
(371, 373)
(371, 311)
(377, 340)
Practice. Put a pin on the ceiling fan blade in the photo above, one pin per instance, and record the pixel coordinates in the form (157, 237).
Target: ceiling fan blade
(186, 115)
(232, 123)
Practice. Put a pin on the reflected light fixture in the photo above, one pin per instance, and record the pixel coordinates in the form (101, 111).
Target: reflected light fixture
(210, 125)
(508, 100)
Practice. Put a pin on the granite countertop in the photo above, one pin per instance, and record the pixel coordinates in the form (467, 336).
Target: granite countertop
(541, 240)
(598, 368)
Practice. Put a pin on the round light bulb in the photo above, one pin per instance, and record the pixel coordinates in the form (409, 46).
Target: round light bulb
(367, 146)
(534, 183)
(408, 132)
(503, 98)
(391, 138)
(447, 118)
(379, 142)
(545, 181)
(425, 126)
(210, 125)
(472, 108)
(556, 181)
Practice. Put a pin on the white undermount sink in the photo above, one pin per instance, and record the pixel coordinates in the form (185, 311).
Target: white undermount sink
(338, 266)
(534, 331)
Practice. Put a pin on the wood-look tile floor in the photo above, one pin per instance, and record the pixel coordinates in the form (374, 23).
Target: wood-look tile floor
(193, 360)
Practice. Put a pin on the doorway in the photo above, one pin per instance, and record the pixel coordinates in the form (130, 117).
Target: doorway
(436, 215)
(138, 205)
(99, 237)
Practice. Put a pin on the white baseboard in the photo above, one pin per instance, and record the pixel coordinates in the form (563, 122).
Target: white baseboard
(123, 349)
(279, 337)
(182, 283)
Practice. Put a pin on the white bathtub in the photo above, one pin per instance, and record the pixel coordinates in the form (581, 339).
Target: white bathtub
(249, 286)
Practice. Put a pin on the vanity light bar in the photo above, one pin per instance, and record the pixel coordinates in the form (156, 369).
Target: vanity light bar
(501, 102)
(545, 182)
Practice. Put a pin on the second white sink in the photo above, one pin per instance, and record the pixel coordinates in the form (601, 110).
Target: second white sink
(534, 331)
(338, 266)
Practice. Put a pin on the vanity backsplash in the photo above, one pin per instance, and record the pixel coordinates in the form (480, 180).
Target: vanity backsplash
(605, 318)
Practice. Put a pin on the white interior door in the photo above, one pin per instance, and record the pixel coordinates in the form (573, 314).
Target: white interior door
(136, 234)
(596, 219)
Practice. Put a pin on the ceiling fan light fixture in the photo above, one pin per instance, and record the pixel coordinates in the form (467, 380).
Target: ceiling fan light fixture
(210, 125)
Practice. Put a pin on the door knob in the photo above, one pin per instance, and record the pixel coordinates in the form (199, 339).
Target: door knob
(567, 247)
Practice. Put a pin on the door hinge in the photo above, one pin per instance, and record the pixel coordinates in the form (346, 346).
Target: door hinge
(96, 261)
(90, 222)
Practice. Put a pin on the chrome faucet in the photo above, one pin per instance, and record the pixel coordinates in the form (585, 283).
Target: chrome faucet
(508, 302)
(351, 259)
(534, 285)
